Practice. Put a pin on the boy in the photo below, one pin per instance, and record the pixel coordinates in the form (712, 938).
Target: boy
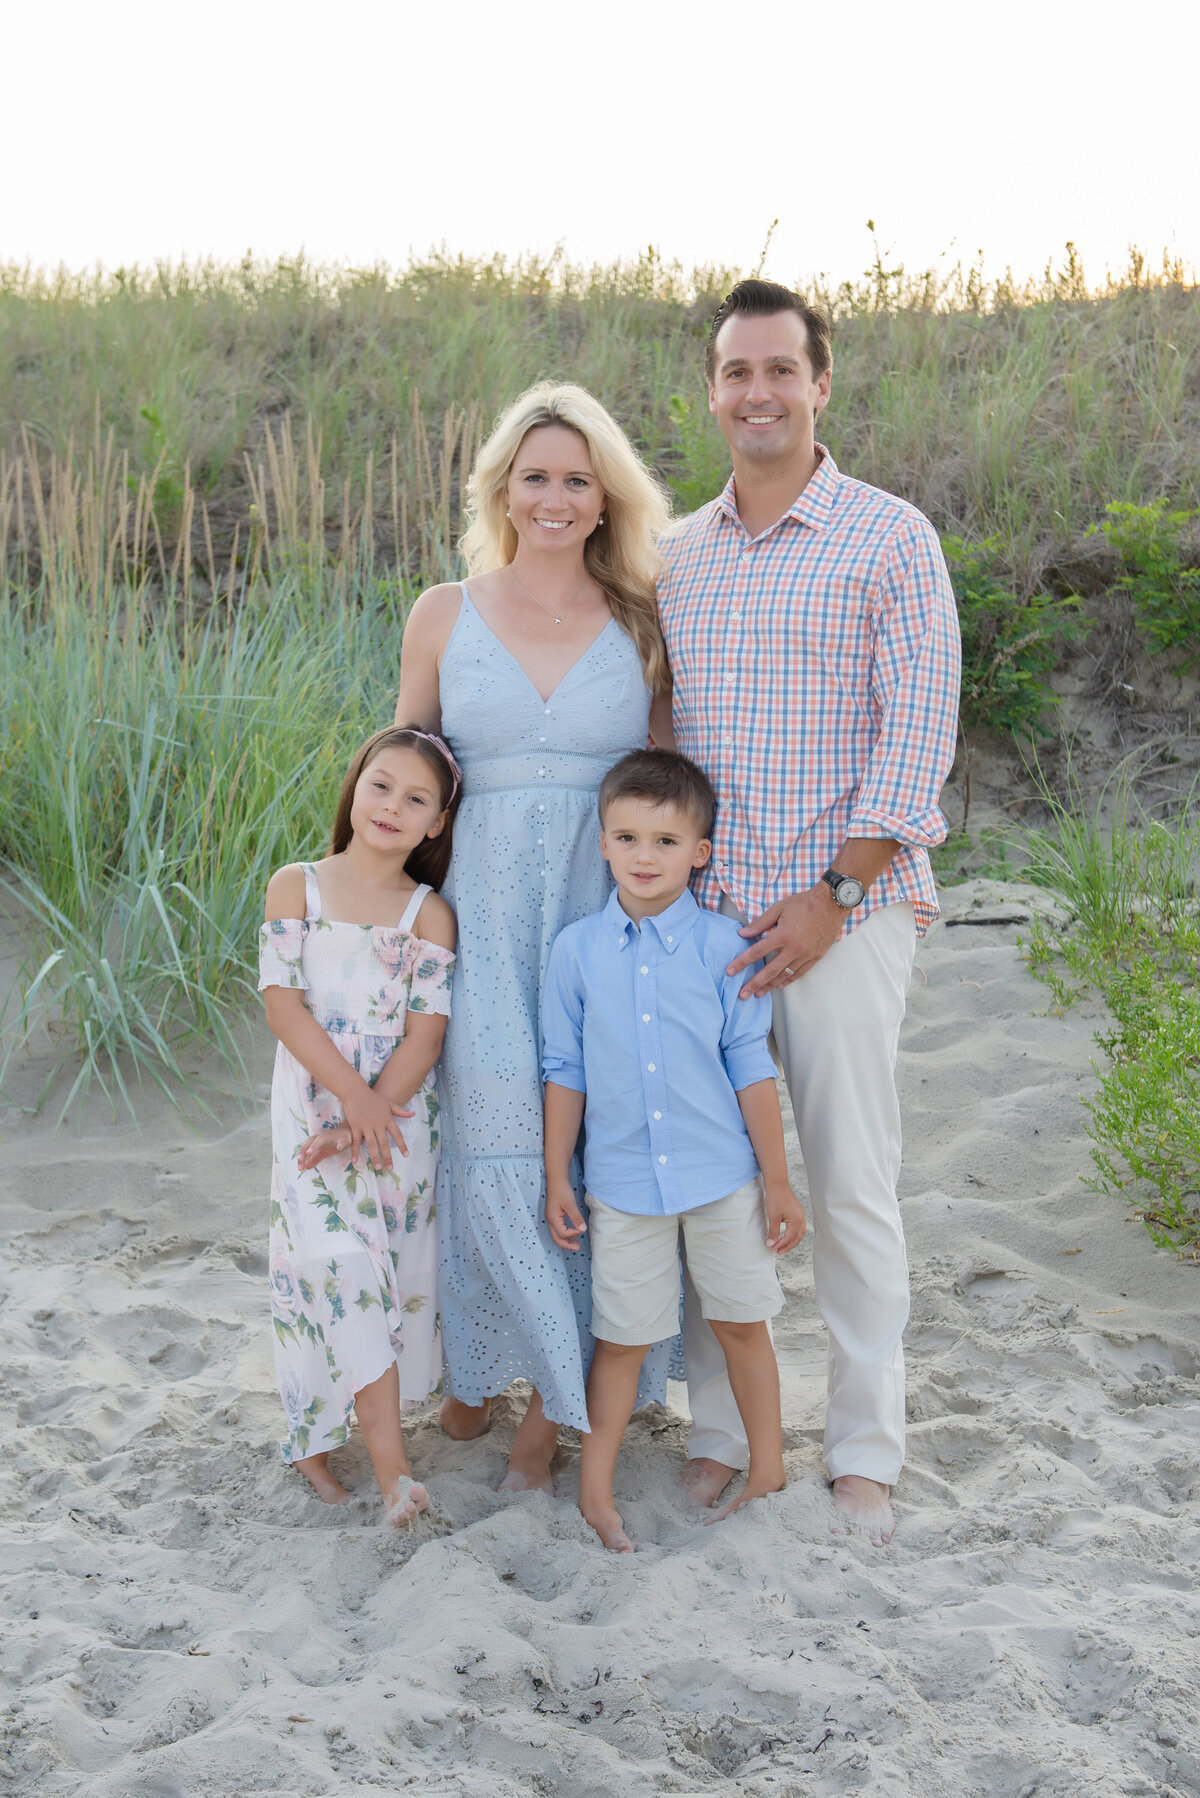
(644, 1029)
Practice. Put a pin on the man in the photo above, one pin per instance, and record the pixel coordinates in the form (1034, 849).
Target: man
(814, 641)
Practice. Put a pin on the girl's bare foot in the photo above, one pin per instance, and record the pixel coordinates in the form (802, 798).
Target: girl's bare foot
(703, 1481)
(406, 1500)
(315, 1469)
(752, 1489)
(607, 1523)
(463, 1423)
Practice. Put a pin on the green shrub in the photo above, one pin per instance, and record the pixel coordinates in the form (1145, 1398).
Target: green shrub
(1154, 572)
(1010, 644)
(1145, 1121)
(1134, 933)
(1009, 647)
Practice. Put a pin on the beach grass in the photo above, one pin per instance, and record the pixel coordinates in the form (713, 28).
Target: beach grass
(251, 410)
(1131, 886)
(156, 769)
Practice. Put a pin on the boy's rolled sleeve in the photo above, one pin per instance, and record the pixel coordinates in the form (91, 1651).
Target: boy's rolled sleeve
(744, 1038)
(562, 1022)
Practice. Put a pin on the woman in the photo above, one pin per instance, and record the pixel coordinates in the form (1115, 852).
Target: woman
(542, 668)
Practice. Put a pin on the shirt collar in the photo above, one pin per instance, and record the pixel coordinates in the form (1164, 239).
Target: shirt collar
(670, 926)
(812, 507)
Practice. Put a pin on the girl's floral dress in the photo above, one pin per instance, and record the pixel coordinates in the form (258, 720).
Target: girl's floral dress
(353, 1252)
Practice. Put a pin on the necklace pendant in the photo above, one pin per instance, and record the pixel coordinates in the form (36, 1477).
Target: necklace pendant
(558, 621)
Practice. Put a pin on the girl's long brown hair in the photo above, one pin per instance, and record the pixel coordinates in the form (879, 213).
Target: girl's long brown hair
(429, 862)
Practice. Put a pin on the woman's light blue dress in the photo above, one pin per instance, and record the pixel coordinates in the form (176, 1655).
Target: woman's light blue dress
(526, 863)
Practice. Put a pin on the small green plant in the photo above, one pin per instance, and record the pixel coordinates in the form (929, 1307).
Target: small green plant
(1145, 1122)
(1150, 540)
(700, 467)
(1009, 647)
(1134, 934)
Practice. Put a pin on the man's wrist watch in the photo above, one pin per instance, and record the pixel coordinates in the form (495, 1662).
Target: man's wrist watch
(846, 889)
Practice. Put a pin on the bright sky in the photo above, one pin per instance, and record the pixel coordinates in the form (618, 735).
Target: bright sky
(368, 129)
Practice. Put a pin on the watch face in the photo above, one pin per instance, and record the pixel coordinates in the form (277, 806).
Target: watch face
(849, 891)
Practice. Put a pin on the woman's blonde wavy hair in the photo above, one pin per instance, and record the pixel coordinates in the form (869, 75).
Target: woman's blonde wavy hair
(622, 553)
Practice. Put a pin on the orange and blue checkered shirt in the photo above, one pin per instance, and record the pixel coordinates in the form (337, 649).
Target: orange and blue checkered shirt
(817, 672)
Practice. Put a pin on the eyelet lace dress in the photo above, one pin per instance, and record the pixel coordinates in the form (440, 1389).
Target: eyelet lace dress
(353, 1252)
(526, 863)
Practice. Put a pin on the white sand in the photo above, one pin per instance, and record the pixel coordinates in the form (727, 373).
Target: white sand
(186, 1619)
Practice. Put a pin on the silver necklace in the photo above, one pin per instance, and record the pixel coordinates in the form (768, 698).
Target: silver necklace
(548, 610)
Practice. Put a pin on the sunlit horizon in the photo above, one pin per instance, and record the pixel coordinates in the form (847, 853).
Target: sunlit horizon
(389, 131)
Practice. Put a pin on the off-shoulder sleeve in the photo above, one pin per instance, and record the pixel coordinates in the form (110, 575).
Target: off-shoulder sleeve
(279, 944)
(429, 989)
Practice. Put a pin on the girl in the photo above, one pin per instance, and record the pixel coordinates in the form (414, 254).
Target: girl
(356, 956)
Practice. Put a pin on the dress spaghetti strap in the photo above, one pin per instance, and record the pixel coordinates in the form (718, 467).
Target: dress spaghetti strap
(312, 893)
(413, 907)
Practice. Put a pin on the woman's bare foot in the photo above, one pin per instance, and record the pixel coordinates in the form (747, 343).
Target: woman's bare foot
(463, 1423)
(315, 1469)
(864, 1506)
(406, 1500)
(532, 1451)
(751, 1490)
(607, 1523)
(703, 1481)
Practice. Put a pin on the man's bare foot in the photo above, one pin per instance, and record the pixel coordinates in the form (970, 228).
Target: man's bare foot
(751, 1490)
(406, 1500)
(607, 1523)
(328, 1489)
(864, 1506)
(703, 1481)
(463, 1423)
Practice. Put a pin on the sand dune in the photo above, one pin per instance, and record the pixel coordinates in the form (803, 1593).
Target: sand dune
(184, 1618)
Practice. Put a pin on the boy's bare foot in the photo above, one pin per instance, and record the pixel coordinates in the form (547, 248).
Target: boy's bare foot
(463, 1423)
(328, 1489)
(703, 1481)
(864, 1506)
(607, 1523)
(407, 1499)
(752, 1489)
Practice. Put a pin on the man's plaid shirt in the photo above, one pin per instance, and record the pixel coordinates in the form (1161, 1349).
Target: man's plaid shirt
(817, 676)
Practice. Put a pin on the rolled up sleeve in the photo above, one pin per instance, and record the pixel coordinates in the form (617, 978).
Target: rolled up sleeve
(562, 1022)
(744, 1037)
(915, 689)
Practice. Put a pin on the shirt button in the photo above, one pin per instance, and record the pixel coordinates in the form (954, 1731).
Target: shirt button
(650, 1068)
(546, 714)
(728, 683)
(723, 739)
(658, 1114)
(644, 970)
(645, 1017)
(736, 616)
(541, 808)
(663, 1160)
(670, 939)
(539, 842)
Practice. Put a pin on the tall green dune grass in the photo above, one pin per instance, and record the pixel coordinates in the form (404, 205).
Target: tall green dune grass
(155, 768)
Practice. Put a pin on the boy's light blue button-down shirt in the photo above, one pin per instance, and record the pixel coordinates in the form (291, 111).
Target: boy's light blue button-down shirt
(648, 1024)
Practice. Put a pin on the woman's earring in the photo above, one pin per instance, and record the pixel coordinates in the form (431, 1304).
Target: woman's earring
(600, 520)
(508, 514)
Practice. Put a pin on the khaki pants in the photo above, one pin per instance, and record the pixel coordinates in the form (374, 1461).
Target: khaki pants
(836, 1031)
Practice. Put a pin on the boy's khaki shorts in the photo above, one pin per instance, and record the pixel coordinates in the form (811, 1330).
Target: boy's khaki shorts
(635, 1267)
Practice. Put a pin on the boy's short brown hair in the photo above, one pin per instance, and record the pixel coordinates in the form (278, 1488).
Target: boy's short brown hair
(663, 778)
